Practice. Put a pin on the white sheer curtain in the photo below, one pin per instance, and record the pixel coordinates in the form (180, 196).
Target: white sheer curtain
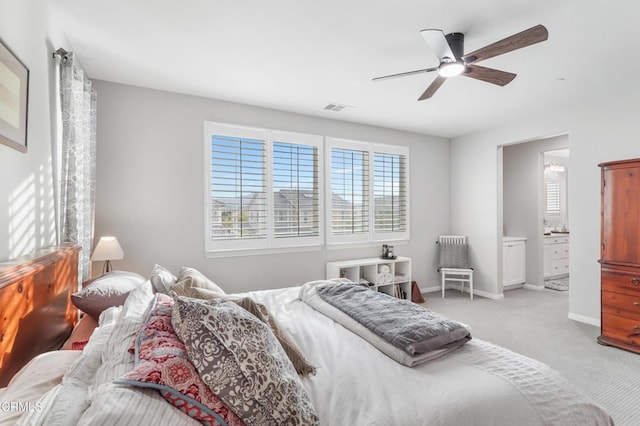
(77, 159)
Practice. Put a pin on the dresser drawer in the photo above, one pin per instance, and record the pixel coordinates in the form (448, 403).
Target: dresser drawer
(559, 266)
(621, 305)
(556, 240)
(622, 329)
(560, 251)
(619, 281)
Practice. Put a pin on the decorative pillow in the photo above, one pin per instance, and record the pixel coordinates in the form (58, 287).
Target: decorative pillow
(190, 278)
(294, 353)
(454, 256)
(162, 364)
(110, 289)
(162, 279)
(240, 359)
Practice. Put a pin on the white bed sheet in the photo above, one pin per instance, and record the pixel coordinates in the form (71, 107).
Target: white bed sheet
(87, 395)
(477, 384)
(355, 384)
(39, 376)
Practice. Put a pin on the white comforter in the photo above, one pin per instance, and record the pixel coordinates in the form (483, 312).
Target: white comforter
(355, 384)
(477, 384)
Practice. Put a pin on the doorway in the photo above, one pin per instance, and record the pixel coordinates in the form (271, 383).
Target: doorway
(524, 204)
(555, 209)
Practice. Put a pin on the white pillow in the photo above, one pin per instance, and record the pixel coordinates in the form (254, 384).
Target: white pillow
(162, 279)
(191, 278)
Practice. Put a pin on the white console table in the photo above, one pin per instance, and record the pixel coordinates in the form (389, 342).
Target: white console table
(391, 276)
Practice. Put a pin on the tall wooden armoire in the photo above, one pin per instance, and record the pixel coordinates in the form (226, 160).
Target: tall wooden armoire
(620, 255)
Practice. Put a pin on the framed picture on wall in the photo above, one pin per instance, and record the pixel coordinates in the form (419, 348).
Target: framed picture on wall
(14, 94)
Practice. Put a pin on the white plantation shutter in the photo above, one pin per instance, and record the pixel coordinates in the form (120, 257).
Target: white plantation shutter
(552, 195)
(263, 189)
(238, 193)
(390, 192)
(368, 192)
(350, 189)
(295, 190)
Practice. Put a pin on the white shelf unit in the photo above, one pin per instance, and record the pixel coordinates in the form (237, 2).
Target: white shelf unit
(390, 276)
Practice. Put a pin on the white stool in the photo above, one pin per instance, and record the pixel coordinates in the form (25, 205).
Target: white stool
(460, 275)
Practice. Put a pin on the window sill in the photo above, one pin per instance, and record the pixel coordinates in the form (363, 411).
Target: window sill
(344, 246)
(260, 252)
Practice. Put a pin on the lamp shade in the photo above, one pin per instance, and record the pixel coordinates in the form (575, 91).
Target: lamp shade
(108, 248)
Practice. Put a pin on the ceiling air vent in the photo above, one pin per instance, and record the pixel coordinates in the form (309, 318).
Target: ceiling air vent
(335, 107)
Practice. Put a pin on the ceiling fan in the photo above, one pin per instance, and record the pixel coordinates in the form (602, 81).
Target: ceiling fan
(450, 51)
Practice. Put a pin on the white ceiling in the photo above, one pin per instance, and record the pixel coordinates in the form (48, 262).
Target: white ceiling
(300, 55)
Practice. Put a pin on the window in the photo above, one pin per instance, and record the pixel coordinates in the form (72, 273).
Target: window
(295, 190)
(263, 189)
(552, 196)
(368, 198)
(389, 189)
(350, 192)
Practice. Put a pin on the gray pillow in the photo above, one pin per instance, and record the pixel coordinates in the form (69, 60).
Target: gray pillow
(454, 256)
(110, 289)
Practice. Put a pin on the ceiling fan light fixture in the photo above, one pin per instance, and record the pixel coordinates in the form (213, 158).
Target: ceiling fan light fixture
(450, 69)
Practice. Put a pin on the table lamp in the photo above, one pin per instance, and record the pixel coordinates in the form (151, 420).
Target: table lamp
(107, 249)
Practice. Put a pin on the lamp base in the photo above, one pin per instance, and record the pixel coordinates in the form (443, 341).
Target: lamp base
(107, 267)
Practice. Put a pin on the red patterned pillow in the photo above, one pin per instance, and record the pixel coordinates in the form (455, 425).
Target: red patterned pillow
(79, 345)
(162, 364)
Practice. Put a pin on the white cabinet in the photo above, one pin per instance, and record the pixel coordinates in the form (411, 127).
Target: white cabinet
(514, 257)
(391, 276)
(556, 255)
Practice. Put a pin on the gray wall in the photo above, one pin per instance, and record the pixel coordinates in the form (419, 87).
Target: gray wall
(598, 132)
(522, 198)
(27, 214)
(150, 187)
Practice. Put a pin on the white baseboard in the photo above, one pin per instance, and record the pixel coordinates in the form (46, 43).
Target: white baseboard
(533, 287)
(477, 292)
(584, 319)
(488, 295)
(429, 289)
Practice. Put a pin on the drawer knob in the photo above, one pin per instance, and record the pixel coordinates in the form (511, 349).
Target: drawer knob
(636, 303)
(636, 331)
(635, 281)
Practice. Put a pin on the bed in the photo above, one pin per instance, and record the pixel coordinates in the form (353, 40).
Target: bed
(354, 383)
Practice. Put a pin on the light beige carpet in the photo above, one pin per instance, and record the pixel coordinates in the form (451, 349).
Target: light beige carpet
(535, 323)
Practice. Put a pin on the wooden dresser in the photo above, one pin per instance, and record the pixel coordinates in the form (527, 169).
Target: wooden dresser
(620, 255)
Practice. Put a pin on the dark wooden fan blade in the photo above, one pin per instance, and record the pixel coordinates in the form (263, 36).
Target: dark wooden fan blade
(490, 75)
(404, 74)
(517, 41)
(435, 85)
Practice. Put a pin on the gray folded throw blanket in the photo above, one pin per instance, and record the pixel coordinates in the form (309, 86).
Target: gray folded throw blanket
(402, 323)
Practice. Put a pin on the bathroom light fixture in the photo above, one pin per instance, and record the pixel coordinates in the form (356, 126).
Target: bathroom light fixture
(107, 249)
(554, 167)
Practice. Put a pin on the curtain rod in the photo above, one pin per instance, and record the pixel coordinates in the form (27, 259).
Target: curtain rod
(64, 55)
